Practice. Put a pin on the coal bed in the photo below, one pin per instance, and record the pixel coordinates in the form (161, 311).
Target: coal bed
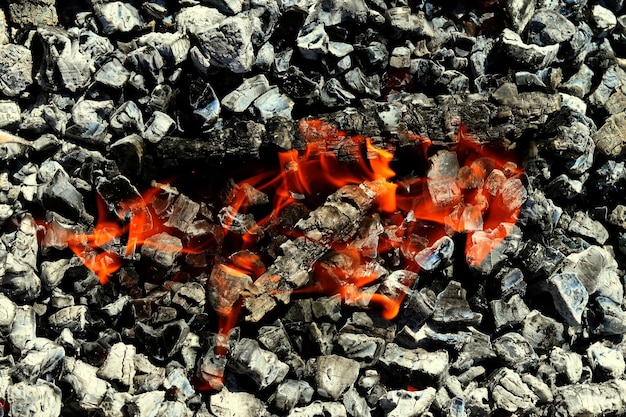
(224, 208)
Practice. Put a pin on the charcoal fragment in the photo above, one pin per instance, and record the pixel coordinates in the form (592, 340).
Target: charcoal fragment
(542, 332)
(548, 27)
(118, 16)
(89, 390)
(227, 404)
(532, 57)
(40, 399)
(452, 308)
(119, 365)
(334, 375)
(16, 67)
(39, 357)
(399, 403)
(510, 393)
(290, 393)
(229, 44)
(591, 399)
(162, 248)
(262, 366)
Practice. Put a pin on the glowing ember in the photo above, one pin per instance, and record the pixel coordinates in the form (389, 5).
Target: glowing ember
(470, 189)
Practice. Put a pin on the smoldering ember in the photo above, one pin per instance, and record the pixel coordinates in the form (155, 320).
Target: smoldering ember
(220, 208)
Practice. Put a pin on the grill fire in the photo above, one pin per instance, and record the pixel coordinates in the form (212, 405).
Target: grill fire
(300, 208)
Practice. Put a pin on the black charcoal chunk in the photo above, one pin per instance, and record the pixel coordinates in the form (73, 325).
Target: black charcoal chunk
(205, 104)
(548, 27)
(403, 21)
(129, 153)
(452, 309)
(509, 313)
(147, 62)
(362, 348)
(368, 85)
(163, 249)
(312, 41)
(272, 104)
(516, 352)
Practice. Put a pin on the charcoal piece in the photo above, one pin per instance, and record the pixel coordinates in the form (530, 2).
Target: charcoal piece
(327, 308)
(118, 16)
(404, 403)
(148, 62)
(606, 362)
(248, 91)
(265, 57)
(339, 49)
(4, 35)
(23, 328)
(570, 297)
(531, 57)
(516, 352)
(604, 20)
(12, 148)
(312, 40)
(190, 297)
(39, 357)
(16, 67)
(38, 399)
(128, 153)
(437, 255)
(368, 85)
(8, 311)
(273, 103)
(334, 375)
(119, 365)
(148, 377)
(596, 269)
(355, 404)
(323, 337)
(400, 57)
(73, 318)
(112, 72)
(476, 349)
(510, 393)
(609, 138)
(362, 348)
(579, 84)
(182, 213)
(227, 404)
(9, 113)
(158, 126)
(205, 104)
(518, 13)
(320, 408)
(591, 399)
(146, 404)
(611, 316)
(127, 118)
(403, 20)
(229, 44)
(291, 393)
(583, 225)
(89, 121)
(262, 366)
(63, 65)
(511, 282)
(509, 313)
(568, 365)
(452, 308)
(119, 194)
(174, 409)
(275, 339)
(416, 364)
(177, 380)
(548, 27)
(163, 249)
(334, 95)
(225, 286)
(542, 332)
(612, 80)
(173, 47)
(87, 387)
(369, 383)
(197, 18)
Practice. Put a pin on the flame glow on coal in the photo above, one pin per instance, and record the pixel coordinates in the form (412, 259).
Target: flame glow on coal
(483, 200)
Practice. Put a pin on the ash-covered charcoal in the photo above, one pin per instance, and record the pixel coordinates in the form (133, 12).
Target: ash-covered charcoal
(262, 366)
(417, 366)
(248, 91)
(334, 375)
(591, 399)
(40, 357)
(226, 404)
(118, 16)
(41, 399)
(399, 403)
(452, 309)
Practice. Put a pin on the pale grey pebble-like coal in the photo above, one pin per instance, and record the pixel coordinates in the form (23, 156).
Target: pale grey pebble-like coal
(101, 101)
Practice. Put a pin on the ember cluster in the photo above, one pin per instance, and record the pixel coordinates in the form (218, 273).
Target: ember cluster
(153, 262)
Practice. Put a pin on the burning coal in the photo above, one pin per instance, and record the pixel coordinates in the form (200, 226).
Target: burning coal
(468, 189)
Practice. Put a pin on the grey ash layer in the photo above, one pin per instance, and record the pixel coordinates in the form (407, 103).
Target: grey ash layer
(99, 97)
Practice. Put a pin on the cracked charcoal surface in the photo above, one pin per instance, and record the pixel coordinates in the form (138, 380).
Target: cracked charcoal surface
(100, 101)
